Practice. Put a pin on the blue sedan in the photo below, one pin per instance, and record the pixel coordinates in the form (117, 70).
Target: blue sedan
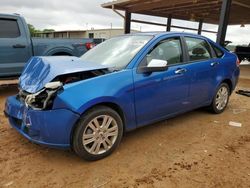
(126, 82)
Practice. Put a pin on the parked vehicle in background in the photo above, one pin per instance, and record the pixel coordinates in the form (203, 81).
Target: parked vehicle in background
(16, 45)
(243, 52)
(124, 83)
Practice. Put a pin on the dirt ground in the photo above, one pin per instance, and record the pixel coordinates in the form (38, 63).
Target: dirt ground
(196, 149)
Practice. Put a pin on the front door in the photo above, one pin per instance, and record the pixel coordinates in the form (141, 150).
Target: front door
(162, 94)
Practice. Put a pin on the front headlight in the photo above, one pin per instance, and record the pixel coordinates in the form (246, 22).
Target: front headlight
(43, 99)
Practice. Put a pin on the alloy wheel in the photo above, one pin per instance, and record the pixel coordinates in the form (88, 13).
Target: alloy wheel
(221, 98)
(100, 134)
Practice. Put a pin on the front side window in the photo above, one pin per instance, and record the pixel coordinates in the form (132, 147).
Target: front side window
(168, 50)
(198, 49)
(117, 52)
(9, 28)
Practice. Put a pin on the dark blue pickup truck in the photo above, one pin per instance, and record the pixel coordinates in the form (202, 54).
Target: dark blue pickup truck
(16, 45)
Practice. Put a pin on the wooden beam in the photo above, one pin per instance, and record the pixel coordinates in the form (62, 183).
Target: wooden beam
(116, 3)
(190, 6)
(173, 26)
(187, 16)
(113, 8)
(191, 9)
(146, 22)
(196, 15)
(241, 4)
(153, 5)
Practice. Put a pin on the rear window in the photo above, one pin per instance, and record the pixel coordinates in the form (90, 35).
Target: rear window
(9, 28)
(218, 52)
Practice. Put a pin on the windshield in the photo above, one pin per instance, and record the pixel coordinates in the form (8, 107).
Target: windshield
(116, 52)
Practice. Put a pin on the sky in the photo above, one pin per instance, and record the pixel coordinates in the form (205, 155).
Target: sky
(87, 14)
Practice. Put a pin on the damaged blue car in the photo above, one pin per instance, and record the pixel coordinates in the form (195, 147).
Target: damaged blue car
(126, 82)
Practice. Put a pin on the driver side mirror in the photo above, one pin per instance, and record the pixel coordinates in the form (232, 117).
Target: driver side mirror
(155, 65)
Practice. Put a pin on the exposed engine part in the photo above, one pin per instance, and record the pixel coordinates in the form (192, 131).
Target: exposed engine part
(75, 77)
(42, 99)
(53, 85)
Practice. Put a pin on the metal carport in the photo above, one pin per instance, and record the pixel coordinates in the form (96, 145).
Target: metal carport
(220, 12)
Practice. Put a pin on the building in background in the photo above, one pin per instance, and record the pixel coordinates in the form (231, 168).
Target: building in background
(93, 33)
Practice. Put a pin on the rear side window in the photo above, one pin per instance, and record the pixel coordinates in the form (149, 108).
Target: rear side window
(218, 52)
(9, 28)
(198, 49)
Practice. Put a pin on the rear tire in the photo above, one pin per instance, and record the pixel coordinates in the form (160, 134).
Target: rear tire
(97, 133)
(220, 99)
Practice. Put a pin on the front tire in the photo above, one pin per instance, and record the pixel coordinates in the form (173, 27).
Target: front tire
(220, 99)
(97, 133)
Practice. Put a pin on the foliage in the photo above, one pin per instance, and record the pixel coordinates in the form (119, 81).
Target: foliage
(48, 30)
(33, 30)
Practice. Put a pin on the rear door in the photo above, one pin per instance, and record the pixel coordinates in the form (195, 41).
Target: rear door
(14, 47)
(203, 68)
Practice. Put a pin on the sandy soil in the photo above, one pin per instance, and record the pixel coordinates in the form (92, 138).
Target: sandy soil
(196, 149)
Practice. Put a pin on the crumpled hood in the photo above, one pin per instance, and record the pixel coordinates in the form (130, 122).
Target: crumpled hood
(42, 70)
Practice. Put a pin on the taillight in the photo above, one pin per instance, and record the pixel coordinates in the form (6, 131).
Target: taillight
(89, 45)
(238, 62)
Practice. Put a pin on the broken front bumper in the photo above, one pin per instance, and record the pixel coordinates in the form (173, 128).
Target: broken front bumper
(50, 127)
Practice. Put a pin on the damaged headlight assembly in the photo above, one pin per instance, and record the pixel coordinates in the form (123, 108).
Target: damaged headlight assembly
(43, 99)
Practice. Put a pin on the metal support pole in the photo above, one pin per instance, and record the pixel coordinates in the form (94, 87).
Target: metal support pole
(169, 22)
(224, 20)
(200, 27)
(127, 22)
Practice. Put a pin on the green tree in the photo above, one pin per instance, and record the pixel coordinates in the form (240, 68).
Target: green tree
(48, 30)
(32, 30)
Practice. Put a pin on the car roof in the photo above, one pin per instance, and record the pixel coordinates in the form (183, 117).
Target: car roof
(160, 33)
(14, 15)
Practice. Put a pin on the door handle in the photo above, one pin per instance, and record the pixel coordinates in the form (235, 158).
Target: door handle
(180, 71)
(19, 46)
(214, 63)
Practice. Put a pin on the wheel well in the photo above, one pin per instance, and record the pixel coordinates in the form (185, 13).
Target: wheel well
(61, 54)
(114, 107)
(229, 83)
(108, 104)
